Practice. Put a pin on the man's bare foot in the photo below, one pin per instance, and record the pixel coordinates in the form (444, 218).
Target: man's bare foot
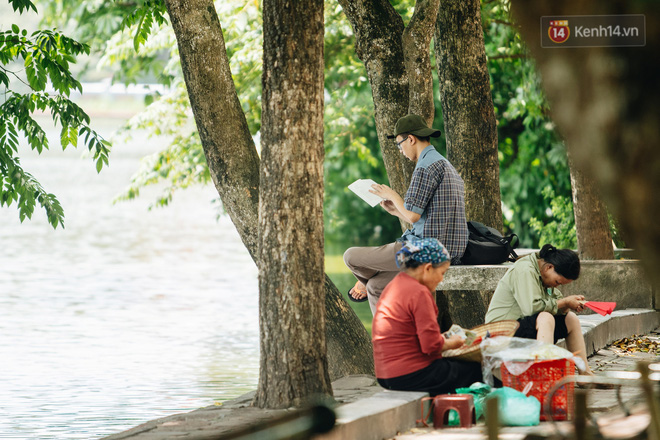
(358, 293)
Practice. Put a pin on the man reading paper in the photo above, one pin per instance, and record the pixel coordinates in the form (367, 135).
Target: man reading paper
(434, 204)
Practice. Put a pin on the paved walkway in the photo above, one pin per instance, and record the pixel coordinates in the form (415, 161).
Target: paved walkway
(602, 404)
(366, 411)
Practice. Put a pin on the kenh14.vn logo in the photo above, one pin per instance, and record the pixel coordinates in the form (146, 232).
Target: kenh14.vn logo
(593, 31)
(559, 31)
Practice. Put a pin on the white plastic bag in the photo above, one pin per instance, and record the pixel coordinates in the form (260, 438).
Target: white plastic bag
(518, 354)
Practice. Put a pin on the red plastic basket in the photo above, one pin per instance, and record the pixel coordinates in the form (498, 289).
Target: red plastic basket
(544, 374)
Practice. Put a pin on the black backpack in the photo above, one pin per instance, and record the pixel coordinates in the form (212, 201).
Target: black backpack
(487, 246)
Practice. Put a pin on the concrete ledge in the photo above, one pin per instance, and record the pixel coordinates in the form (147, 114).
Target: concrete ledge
(622, 281)
(380, 416)
(473, 277)
(600, 331)
(600, 280)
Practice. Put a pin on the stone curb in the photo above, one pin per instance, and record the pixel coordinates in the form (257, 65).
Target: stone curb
(600, 331)
(382, 415)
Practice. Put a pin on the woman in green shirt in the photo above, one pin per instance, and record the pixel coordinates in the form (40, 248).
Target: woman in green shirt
(527, 293)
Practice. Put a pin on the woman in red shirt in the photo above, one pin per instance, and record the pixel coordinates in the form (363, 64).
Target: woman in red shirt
(406, 337)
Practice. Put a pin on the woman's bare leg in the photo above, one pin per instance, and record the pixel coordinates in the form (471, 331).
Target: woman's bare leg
(575, 341)
(545, 328)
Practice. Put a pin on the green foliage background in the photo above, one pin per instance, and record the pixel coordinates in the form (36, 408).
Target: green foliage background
(35, 77)
(133, 42)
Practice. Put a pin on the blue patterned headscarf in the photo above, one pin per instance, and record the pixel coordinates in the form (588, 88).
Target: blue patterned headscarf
(422, 250)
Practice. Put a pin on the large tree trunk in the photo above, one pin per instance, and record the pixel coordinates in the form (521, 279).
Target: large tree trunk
(605, 103)
(378, 29)
(399, 70)
(592, 224)
(416, 40)
(291, 292)
(467, 108)
(228, 146)
(234, 164)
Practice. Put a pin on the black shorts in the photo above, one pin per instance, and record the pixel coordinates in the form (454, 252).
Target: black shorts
(527, 327)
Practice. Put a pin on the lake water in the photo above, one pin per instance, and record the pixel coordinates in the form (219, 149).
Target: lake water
(126, 315)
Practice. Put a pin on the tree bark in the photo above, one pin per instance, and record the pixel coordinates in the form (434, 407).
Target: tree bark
(416, 42)
(470, 126)
(605, 103)
(234, 163)
(592, 225)
(467, 108)
(291, 310)
(445, 320)
(468, 307)
(398, 65)
(228, 146)
(378, 29)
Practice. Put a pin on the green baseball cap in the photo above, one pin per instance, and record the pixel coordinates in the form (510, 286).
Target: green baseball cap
(413, 124)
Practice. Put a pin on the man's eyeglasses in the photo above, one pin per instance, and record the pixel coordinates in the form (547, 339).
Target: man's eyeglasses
(398, 144)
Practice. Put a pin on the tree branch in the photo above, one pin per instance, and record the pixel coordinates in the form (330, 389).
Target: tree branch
(16, 75)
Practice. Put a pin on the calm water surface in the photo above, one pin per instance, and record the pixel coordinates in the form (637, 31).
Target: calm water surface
(126, 315)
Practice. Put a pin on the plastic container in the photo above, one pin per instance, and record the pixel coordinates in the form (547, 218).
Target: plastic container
(544, 374)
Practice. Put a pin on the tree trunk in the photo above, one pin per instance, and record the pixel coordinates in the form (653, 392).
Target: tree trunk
(291, 307)
(399, 69)
(468, 307)
(416, 42)
(592, 224)
(445, 320)
(228, 146)
(467, 108)
(234, 164)
(378, 29)
(470, 126)
(605, 103)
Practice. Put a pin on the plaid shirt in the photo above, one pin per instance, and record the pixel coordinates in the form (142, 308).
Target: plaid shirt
(437, 193)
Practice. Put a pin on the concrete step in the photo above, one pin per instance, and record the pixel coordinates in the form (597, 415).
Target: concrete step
(599, 331)
(380, 416)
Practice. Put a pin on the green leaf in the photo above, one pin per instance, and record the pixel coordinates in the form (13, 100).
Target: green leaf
(20, 5)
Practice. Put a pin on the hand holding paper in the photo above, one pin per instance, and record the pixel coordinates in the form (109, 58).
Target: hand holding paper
(361, 188)
(602, 308)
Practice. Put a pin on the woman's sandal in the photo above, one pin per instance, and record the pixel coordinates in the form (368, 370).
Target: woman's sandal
(360, 290)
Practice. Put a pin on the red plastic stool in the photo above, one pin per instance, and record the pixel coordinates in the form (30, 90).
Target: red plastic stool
(463, 404)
